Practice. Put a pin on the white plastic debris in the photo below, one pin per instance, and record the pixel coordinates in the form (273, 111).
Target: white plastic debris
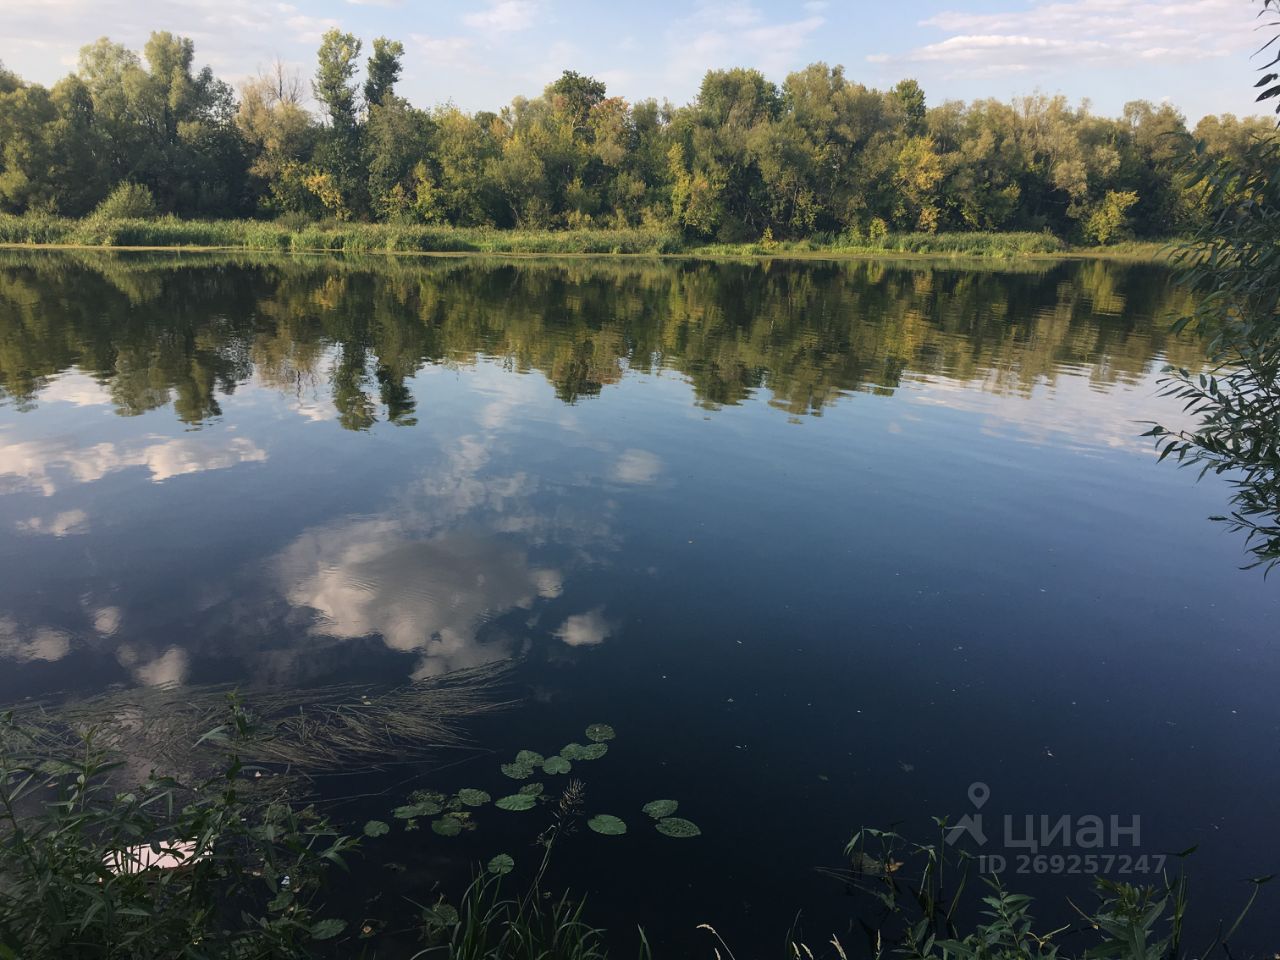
(135, 859)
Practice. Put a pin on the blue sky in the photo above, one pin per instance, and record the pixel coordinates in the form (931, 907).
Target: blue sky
(1193, 53)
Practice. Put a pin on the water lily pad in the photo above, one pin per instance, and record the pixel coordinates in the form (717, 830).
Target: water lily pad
(529, 758)
(501, 865)
(593, 751)
(424, 808)
(599, 732)
(531, 790)
(554, 765)
(447, 826)
(517, 801)
(517, 770)
(376, 828)
(572, 751)
(473, 798)
(660, 808)
(677, 827)
(609, 825)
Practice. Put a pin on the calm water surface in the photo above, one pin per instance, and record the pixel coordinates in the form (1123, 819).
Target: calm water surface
(827, 544)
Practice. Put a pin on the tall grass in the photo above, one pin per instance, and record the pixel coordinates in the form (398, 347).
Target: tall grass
(333, 236)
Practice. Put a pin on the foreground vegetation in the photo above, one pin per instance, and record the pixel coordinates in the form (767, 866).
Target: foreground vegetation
(255, 873)
(1235, 270)
(408, 238)
(747, 162)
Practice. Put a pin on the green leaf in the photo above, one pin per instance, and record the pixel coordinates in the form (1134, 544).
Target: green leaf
(600, 732)
(473, 798)
(530, 758)
(501, 865)
(447, 826)
(555, 765)
(376, 828)
(328, 929)
(517, 770)
(677, 827)
(531, 789)
(593, 751)
(517, 801)
(660, 808)
(572, 751)
(607, 824)
(424, 808)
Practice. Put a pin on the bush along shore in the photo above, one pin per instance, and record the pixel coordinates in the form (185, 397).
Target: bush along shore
(334, 236)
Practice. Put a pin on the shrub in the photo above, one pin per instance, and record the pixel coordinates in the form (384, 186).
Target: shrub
(128, 201)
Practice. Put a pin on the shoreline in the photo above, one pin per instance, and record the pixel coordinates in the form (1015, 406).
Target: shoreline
(329, 237)
(1139, 253)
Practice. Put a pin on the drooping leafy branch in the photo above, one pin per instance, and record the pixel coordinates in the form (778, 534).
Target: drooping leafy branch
(1234, 265)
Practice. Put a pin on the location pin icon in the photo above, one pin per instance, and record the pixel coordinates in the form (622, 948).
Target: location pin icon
(978, 794)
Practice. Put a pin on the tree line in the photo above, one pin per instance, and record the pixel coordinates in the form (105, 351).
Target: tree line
(821, 154)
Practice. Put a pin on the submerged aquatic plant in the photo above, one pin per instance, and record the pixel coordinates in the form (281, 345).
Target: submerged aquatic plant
(306, 730)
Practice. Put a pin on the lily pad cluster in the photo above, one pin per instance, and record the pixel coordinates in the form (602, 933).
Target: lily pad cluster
(667, 825)
(453, 813)
(527, 762)
(450, 813)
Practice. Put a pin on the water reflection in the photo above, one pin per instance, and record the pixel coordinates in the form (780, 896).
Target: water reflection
(460, 539)
(47, 464)
(299, 472)
(154, 331)
(424, 596)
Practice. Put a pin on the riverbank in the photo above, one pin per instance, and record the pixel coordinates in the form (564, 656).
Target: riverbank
(171, 232)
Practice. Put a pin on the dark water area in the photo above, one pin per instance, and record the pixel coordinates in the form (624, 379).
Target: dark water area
(826, 543)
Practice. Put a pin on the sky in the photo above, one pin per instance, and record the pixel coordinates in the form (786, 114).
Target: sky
(1192, 53)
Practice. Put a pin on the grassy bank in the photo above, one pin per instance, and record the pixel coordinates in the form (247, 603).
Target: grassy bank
(170, 232)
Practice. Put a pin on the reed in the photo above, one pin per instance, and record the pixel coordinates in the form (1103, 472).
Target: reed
(346, 237)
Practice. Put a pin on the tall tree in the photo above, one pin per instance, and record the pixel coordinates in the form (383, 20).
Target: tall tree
(338, 182)
(382, 71)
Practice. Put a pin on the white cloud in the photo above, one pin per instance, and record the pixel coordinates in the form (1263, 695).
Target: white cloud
(62, 525)
(584, 629)
(504, 16)
(1067, 411)
(106, 620)
(76, 388)
(429, 596)
(451, 51)
(733, 34)
(637, 466)
(167, 670)
(1082, 33)
(39, 643)
(234, 36)
(41, 464)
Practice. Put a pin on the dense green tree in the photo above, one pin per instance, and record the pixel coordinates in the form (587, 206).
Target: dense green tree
(746, 160)
(338, 179)
(279, 137)
(382, 71)
(577, 96)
